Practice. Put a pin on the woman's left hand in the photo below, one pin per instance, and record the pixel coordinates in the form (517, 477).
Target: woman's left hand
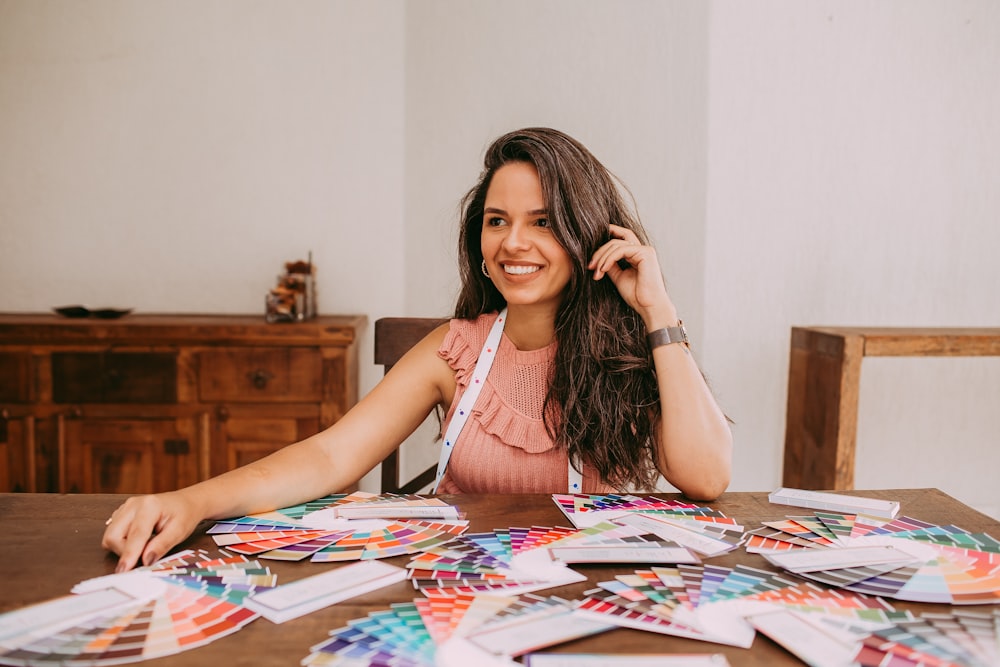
(641, 282)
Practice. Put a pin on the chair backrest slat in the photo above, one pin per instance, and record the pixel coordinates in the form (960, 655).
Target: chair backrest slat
(394, 336)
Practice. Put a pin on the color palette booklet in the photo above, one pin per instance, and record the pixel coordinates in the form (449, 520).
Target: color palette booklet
(343, 527)
(525, 559)
(711, 602)
(703, 530)
(958, 638)
(455, 630)
(181, 602)
(902, 558)
(486, 562)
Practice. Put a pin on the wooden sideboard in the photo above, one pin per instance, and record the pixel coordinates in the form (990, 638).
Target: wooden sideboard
(150, 403)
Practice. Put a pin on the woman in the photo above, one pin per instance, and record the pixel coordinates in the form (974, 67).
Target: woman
(591, 385)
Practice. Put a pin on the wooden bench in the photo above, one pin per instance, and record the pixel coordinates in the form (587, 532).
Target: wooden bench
(824, 373)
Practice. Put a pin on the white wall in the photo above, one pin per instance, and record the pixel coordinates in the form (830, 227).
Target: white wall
(796, 163)
(171, 156)
(853, 180)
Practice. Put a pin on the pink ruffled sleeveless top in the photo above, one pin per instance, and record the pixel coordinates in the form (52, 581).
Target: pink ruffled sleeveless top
(504, 447)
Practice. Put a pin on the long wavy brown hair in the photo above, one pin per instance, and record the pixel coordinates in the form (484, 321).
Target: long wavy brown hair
(602, 403)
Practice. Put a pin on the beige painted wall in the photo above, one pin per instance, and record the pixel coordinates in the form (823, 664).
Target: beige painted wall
(797, 163)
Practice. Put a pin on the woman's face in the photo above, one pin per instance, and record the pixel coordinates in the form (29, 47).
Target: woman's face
(525, 261)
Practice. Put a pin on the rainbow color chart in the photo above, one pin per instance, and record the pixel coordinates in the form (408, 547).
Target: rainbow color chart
(478, 629)
(586, 510)
(521, 560)
(902, 558)
(960, 638)
(710, 602)
(181, 602)
(342, 527)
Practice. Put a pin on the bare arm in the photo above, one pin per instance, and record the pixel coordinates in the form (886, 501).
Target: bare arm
(694, 440)
(147, 527)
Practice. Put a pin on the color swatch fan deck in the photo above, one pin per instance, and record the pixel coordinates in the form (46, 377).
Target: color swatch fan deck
(524, 559)
(343, 527)
(181, 602)
(902, 558)
(461, 629)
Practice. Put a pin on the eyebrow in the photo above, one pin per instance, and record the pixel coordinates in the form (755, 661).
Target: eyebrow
(500, 211)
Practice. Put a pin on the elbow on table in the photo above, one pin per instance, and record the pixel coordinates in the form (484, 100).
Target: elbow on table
(704, 482)
(705, 490)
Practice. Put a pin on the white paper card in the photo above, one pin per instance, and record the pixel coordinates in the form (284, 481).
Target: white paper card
(812, 560)
(834, 502)
(623, 554)
(696, 541)
(521, 635)
(804, 640)
(449, 512)
(625, 660)
(306, 595)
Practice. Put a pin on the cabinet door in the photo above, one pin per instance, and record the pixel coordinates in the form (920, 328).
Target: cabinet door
(125, 455)
(17, 460)
(242, 435)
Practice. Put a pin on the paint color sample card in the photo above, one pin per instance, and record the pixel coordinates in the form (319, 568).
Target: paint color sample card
(803, 639)
(835, 502)
(623, 553)
(343, 527)
(494, 562)
(585, 510)
(311, 593)
(625, 660)
(441, 630)
(709, 602)
(902, 558)
(968, 638)
(186, 600)
(536, 625)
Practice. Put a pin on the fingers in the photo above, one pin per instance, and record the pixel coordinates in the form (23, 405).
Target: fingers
(624, 246)
(142, 529)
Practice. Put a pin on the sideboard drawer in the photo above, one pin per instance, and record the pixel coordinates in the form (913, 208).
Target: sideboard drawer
(150, 401)
(15, 377)
(285, 374)
(114, 377)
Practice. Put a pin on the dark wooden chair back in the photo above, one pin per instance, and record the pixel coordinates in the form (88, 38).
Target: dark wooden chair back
(393, 337)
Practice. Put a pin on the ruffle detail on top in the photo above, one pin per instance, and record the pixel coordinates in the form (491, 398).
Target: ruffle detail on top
(509, 426)
(496, 417)
(460, 355)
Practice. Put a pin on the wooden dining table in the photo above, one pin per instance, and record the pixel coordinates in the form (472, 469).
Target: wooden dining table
(51, 542)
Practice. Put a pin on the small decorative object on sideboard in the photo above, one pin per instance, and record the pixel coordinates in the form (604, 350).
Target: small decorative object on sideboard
(100, 313)
(293, 299)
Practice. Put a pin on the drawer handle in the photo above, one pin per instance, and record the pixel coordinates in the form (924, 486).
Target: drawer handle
(259, 378)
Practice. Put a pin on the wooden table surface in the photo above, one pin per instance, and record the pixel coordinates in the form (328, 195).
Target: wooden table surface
(51, 542)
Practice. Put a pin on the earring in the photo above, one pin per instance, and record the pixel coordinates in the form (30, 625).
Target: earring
(483, 268)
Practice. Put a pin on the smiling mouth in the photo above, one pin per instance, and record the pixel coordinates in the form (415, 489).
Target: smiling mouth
(520, 270)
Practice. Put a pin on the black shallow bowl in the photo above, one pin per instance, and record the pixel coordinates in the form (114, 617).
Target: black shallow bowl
(110, 313)
(72, 311)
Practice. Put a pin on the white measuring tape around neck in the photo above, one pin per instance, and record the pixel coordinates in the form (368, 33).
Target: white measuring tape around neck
(468, 401)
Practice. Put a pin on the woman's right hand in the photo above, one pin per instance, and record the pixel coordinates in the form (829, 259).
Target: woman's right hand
(145, 528)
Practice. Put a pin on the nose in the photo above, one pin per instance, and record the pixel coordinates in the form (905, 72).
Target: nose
(516, 238)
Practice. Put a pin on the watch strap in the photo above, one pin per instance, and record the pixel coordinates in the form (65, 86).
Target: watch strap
(667, 335)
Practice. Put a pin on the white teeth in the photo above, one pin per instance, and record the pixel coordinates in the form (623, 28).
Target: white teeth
(520, 270)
